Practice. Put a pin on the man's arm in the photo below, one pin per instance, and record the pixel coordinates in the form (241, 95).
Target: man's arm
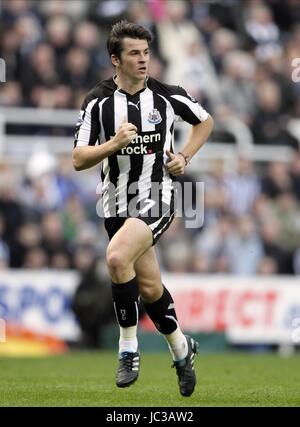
(196, 139)
(90, 155)
(87, 156)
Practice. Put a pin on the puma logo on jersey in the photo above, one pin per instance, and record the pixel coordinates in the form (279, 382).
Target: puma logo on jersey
(134, 105)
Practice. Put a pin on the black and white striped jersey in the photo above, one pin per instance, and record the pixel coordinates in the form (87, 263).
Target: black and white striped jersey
(131, 171)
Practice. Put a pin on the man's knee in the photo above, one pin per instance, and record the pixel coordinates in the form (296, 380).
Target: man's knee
(116, 260)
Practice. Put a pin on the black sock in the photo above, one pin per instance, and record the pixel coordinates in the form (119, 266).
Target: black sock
(162, 313)
(125, 297)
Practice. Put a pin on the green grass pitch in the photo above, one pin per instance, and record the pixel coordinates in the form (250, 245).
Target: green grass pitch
(87, 379)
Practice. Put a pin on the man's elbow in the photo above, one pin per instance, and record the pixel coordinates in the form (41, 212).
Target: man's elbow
(77, 168)
(210, 122)
(77, 161)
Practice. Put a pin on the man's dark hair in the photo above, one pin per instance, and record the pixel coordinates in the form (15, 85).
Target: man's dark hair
(123, 29)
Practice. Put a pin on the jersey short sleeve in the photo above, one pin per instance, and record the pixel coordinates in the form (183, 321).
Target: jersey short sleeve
(187, 107)
(88, 124)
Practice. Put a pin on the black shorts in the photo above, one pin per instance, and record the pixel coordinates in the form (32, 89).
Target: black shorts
(158, 224)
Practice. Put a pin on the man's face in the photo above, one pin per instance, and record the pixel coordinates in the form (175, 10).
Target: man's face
(134, 59)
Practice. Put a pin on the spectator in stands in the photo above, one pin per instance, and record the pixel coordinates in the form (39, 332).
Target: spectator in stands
(220, 265)
(29, 29)
(270, 230)
(62, 97)
(178, 257)
(242, 187)
(222, 43)
(9, 50)
(88, 37)
(199, 263)
(245, 249)
(206, 18)
(269, 124)
(175, 32)
(58, 31)
(91, 302)
(267, 266)
(28, 238)
(215, 242)
(78, 71)
(35, 259)
(11, 94)
(60, 261)
(41, 73)
(237, 84)
(40, 191)
(74, 216)
(171, 251)
(277, 180)
(198, 74)
(262, 209)
(53, 240)
(287, 213)
(216, 194)
(260, 26)
(11, 10)
(66, 179)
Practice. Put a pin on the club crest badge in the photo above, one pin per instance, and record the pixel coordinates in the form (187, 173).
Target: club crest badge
(154, 116)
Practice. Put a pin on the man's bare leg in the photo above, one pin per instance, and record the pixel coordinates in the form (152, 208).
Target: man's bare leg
(127, 245)
(159, 304)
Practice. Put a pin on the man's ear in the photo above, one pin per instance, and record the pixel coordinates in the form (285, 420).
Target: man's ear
(115, 60)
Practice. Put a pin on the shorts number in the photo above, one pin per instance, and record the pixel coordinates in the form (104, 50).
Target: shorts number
(149, 204)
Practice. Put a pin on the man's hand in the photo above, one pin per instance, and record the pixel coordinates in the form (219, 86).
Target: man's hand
(124, 135)
(176, 163)
(88, 156)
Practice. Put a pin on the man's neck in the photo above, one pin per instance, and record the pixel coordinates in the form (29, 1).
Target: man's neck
(128, 85)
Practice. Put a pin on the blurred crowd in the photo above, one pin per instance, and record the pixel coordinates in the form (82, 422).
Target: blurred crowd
(251, 222)
(233, 56)
(49, 219)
